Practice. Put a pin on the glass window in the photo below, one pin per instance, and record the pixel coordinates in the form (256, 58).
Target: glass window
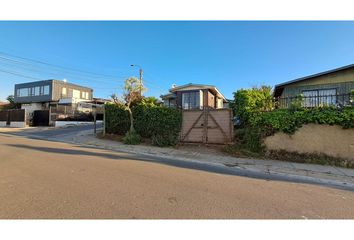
(320, 97)
(190, 100)
(24, 92)
(46, 90)
(37, 91)
(76, 94)
(63, 91)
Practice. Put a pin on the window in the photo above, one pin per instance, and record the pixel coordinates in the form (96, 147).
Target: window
(84, 95)
(76, 94)
(24, 92)
(63, 91)
(190, 100)
(37, 91)
(320, 97)
(46, 90)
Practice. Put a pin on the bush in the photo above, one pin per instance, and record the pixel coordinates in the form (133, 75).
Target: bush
(132, 138)
(287, 120)
(116, 119)
(248, 101)
(161, 124)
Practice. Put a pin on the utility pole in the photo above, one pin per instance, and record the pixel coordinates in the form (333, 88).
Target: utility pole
(140, 78)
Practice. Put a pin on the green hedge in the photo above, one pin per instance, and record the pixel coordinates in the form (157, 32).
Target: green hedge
(287, 120)
(116, 119)
(161, 124)
(263, 124)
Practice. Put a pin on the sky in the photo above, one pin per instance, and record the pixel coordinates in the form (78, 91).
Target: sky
(230, 55)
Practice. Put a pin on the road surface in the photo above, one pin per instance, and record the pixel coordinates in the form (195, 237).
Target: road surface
(46, 179)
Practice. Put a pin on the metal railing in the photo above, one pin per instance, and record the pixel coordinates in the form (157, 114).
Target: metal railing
(338, 100)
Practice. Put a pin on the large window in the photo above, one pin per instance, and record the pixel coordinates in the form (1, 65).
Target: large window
(33, 91)
(23, 92)
(320, 97)
(190, 100)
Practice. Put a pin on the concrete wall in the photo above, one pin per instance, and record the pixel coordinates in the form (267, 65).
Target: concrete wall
(315, 138)
(66, 123)
(2, 123)
(18, 124)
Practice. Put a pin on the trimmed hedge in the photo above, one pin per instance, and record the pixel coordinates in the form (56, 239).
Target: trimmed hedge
(161, 124)
(288, 121)
(117, 119)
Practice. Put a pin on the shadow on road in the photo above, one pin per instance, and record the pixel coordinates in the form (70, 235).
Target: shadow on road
(179, 163)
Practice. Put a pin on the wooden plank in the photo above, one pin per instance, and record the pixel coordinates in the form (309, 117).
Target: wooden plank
(193, 125)
(225, 135)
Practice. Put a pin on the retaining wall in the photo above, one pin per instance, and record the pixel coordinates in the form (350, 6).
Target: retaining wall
(316, 138)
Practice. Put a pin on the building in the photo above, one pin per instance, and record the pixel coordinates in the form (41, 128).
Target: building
(56, 96)
(331, 87)
(194, 96)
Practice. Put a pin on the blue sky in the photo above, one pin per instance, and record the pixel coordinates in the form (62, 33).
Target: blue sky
(230, 55)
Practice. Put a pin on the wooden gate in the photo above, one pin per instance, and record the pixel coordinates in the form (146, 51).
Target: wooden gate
(41, 118)
(207, 126)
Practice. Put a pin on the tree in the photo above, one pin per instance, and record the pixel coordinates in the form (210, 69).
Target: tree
(12, 104)
(131, 97)
(151, 101)
(248, 101)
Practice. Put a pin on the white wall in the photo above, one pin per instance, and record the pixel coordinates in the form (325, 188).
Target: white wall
(2, 123)
(65, 123)
(18, 124)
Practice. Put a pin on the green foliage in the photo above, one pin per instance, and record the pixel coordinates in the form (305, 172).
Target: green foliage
(161, 124)
(12, 104)
(248, 101)
(287, 120)
(150, 101)
(116, 119)
(132, 138)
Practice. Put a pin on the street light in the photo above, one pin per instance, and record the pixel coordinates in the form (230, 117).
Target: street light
(141, 75)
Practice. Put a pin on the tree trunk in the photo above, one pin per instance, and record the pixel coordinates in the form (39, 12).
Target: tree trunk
(131, 120)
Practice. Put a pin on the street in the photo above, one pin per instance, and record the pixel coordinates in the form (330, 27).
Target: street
(47, 179)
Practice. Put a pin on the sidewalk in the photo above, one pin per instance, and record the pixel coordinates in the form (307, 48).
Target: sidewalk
(307, 172)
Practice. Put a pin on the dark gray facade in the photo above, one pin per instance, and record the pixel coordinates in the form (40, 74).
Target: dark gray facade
(50, 91)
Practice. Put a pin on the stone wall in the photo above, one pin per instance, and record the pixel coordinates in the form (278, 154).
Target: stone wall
(315, 138)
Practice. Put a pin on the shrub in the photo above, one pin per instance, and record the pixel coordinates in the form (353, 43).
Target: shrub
(248, 101)
(116, 119)
(161, 124)
(132, 138)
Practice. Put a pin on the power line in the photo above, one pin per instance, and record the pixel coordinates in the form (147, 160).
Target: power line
(18, 74)
(57, 66)
(38, 69)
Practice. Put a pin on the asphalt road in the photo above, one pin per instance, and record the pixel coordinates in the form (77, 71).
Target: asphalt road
(46, 179)
(54, 133)
(66, 135)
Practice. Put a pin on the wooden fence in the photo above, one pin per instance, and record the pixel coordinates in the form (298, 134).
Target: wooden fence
(207, 126)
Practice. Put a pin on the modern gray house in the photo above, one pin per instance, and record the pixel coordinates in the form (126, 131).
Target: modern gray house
(51, 95)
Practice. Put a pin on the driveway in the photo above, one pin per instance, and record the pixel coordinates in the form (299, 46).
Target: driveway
(62, 134)
(46, 179)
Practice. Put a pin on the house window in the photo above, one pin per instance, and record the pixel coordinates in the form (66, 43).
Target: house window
(36, 91)
(320, 97)
(190, 100)
(63, 91)
(46, 90)
(23, 92)
(76, 94)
